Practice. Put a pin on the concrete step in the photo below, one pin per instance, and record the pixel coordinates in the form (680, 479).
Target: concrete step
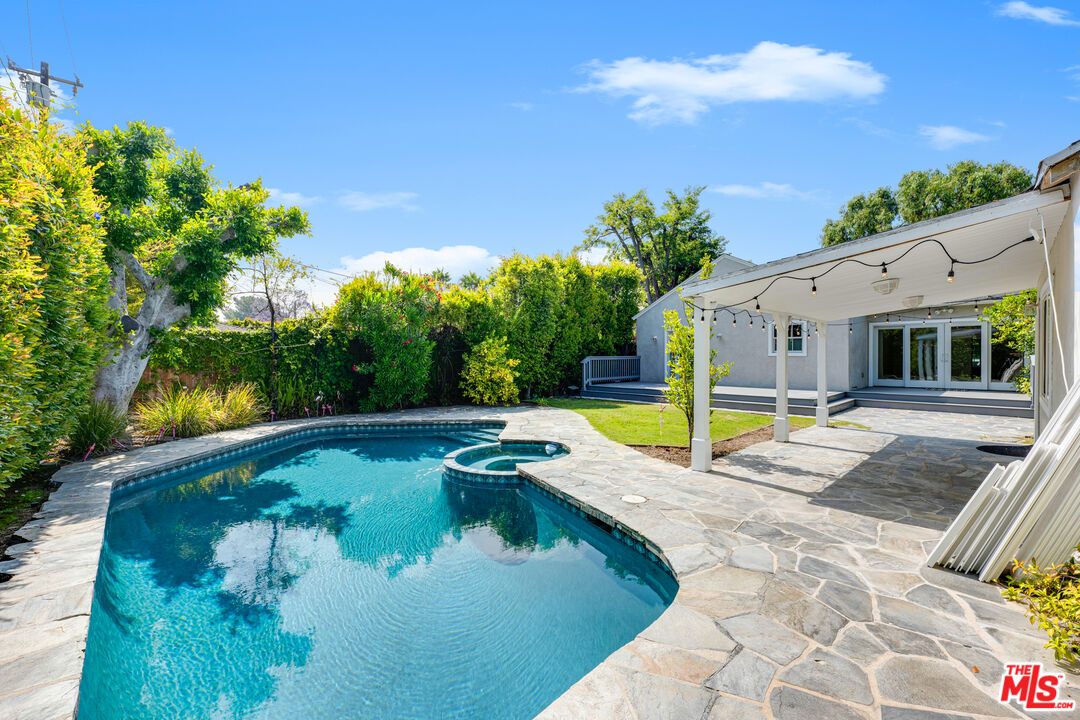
(723, 402)
(616, 389)
(895, 403)
(957, 398)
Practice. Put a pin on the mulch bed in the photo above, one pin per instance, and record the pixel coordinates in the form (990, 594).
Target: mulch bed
(680, 454)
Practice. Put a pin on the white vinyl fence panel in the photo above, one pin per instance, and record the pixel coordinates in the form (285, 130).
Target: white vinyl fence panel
(1029, 509)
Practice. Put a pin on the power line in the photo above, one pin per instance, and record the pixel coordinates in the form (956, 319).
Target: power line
(71, 53)
(30, 32)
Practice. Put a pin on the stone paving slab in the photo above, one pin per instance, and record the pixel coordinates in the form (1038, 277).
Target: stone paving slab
(796, 562)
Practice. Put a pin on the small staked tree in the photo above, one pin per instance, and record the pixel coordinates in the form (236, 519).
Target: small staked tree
(680, 381)
(271, 279)
(173, 236)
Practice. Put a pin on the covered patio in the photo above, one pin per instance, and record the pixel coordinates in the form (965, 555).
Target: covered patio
(1001, 247)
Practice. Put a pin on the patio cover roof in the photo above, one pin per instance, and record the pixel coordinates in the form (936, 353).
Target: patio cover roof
(847, 290)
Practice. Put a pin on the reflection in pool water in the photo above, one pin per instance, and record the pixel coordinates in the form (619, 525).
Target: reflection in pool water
(346, 578)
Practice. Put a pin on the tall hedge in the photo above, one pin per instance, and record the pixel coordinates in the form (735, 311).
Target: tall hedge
(397, 339)
(54, 317)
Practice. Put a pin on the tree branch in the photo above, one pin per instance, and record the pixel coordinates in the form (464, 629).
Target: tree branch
(145, 279)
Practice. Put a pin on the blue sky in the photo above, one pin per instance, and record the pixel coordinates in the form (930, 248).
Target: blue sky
(492, 127)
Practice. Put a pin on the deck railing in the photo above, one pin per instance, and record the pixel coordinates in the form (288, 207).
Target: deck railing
(601, 369)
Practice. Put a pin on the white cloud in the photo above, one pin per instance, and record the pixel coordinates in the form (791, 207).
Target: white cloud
(523, 106)
(363, 201)
(280, 197)
(454, 259)
(1046, 14)
(593, 256)
(682, 90)
(766, 191)
(944, 137)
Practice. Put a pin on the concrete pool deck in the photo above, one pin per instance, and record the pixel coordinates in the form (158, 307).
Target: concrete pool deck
(803, 590)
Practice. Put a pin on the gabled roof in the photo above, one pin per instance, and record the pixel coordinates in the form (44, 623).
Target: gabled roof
(692, 278)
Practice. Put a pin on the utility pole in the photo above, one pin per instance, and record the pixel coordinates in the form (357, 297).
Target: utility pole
(39, 92)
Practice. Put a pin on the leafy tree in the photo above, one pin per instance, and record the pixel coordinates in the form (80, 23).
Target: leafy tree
(54, 286)
(1013, 320)
(175, 234)
(925, 194)
(862, 216)
(470, 281)
(441, 276)
(272, 279)
(679, 390)
(667, 247)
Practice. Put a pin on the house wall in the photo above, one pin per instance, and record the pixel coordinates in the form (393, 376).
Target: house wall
(748, 351)
(1063, 364)
(650, 322)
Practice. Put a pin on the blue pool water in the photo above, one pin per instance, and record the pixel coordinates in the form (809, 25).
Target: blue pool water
(346, 578)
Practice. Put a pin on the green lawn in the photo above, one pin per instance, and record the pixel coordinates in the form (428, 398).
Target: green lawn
(639, 423)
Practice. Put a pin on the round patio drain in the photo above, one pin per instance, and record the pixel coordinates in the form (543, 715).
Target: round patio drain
(1006, 450)
(634, 499)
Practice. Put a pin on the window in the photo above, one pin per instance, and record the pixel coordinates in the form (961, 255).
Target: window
(796, 343)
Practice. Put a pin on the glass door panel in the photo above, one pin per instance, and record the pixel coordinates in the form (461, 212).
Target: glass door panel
(889, 353)
(965, 356)
(923, 359)
(1005, 363)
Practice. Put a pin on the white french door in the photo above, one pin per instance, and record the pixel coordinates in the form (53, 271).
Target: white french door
(943, 355)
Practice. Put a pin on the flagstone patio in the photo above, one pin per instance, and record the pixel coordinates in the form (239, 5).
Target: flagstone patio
(803, 590)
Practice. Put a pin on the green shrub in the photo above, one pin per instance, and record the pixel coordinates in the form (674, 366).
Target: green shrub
(178, 411)
(489, 377)
(96, 427)
(392, 314)
(1052, 596)
(239, 406)
(54, 317)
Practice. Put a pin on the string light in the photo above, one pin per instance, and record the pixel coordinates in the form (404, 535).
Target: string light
(733, 320)
(950, 277)
(850, 330)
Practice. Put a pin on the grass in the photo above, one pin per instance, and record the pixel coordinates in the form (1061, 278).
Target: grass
(639, 423)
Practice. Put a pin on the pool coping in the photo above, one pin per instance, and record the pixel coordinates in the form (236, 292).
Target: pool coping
(752, 623)
(45, 605)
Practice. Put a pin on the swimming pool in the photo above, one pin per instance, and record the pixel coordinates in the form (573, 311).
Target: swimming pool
(346, 577)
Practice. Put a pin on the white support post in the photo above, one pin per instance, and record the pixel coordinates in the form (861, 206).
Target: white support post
(701, 444)
(822, 374)
(780, 423)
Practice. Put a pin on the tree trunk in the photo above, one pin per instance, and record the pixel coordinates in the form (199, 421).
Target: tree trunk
(119, 376)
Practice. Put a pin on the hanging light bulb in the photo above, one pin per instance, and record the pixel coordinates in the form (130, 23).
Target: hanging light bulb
(850, 330)
(762, 326)
(928, 315)
(952, 274)
(886, 319)
(757, 305)
(813, 286)
(884, 271)
(751, 322)
(733, 321)
(976, 308)
(714, 319)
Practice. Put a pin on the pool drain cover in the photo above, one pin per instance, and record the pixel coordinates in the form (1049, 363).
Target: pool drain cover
(634, 499)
